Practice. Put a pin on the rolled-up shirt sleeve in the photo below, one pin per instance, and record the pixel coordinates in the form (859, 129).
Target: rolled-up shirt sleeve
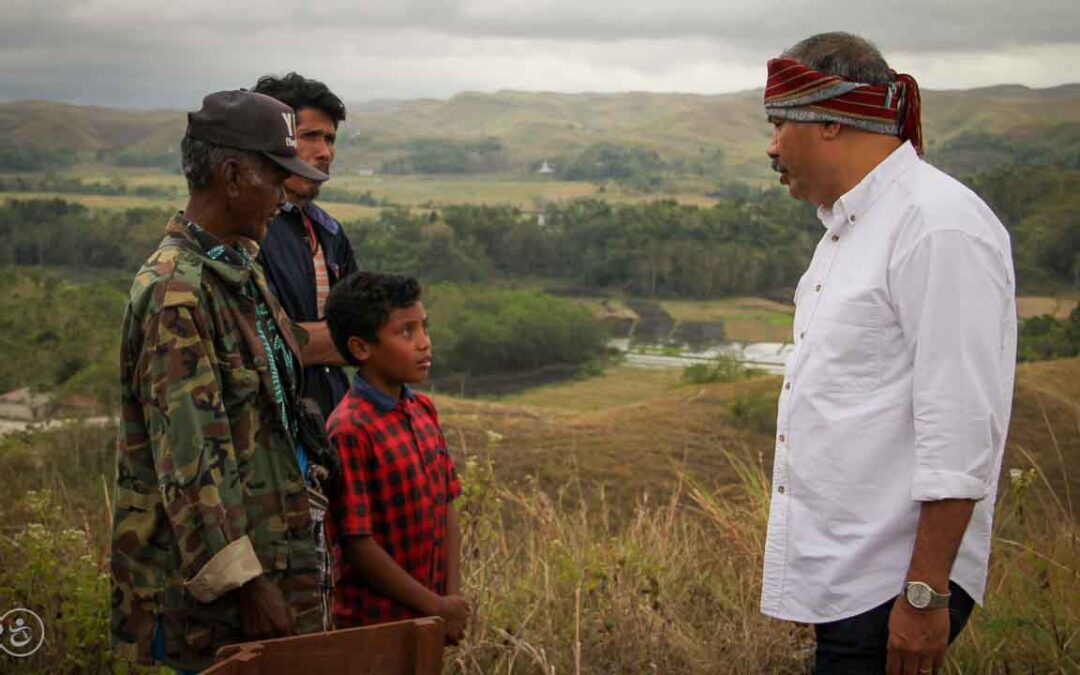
(951, 293)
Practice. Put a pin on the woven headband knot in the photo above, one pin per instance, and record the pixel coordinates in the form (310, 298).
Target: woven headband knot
(795, 92)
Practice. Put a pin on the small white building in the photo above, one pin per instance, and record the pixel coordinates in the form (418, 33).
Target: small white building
(25, 406)
(545, 168)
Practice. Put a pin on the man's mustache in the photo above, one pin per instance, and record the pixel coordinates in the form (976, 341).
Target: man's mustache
(777, 166)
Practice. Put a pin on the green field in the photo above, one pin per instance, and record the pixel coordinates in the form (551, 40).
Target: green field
(744, 319)
(115, 202)
(406, 190)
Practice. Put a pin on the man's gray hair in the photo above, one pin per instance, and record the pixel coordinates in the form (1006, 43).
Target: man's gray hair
(849, 56)
(200, 159)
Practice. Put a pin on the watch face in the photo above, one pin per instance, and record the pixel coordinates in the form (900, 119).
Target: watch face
(919, 595)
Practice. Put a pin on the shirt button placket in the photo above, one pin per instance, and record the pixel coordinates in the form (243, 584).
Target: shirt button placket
(781, 459)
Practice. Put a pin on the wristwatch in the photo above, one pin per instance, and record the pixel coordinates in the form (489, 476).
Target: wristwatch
(920, 596)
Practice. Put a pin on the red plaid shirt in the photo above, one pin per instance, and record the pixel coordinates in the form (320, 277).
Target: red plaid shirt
(397, 483)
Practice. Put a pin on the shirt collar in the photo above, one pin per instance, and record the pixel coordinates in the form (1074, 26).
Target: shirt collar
(315, 214)
(382, 401)
(857, 201)
(231, 263)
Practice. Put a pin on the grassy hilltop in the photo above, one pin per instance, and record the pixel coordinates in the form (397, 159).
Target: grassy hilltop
(612, 525)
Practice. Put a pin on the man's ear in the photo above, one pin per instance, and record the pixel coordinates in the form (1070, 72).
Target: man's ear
(830, 130)
(359, 348)
(230, 172)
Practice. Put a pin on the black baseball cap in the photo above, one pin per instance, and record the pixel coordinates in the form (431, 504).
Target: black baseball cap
(245, 120)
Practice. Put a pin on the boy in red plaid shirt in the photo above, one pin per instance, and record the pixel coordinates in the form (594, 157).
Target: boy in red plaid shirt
(397, 533)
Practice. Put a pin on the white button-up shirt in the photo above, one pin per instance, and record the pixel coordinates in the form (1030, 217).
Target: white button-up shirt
(898, 391)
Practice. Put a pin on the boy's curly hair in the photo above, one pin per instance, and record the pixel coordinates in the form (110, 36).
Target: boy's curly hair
(361, 303)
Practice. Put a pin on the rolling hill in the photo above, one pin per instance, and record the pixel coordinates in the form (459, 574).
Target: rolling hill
(533, 126)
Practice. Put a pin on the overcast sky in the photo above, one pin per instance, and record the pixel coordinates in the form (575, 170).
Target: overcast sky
(147, 53)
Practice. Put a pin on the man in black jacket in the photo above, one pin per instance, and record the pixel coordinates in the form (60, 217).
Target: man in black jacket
(306, 251)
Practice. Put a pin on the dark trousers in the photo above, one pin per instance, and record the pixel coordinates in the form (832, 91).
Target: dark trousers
(858, 645)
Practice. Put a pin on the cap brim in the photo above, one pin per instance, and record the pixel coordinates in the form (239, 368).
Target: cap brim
(298, 167)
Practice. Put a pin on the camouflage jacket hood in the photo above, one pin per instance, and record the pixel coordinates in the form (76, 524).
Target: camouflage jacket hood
(208, 488)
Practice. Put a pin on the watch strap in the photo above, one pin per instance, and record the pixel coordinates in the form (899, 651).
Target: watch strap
(937, 600)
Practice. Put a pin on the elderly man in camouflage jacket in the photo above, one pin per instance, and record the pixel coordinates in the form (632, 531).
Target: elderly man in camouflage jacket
(214, 536)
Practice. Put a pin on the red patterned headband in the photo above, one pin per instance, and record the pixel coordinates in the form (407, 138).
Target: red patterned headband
(795, 92)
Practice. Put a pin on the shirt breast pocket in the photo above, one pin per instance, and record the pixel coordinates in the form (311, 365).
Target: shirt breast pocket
(847, 340)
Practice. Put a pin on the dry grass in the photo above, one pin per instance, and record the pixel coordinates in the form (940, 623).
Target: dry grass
(1059, 306)
(419, 190)
(410, 190)
(559, 587)
(568, 577)
(616, 387)
(625, 538)
(584, 429)
(561, 584)
(117, 202)
(627, 450)
(346, 212)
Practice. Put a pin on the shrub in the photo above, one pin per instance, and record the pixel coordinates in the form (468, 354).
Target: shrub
(724, 368)
(755, 409)
(1045, 337)
(54, 570)
(483, 331)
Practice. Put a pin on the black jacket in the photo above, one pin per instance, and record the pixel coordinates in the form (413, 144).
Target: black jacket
(285, 255)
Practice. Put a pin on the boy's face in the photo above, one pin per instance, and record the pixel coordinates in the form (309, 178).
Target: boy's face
(403, 352)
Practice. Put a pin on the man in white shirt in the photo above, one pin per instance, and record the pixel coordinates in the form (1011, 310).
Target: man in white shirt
(896, 399)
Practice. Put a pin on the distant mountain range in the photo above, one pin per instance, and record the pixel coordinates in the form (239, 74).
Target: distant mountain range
(722, 137)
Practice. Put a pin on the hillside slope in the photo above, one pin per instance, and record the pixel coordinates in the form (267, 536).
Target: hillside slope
(60, 126)
(532, 126)
(644, 446)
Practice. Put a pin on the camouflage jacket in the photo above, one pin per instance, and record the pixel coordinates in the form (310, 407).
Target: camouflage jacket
(208, 489)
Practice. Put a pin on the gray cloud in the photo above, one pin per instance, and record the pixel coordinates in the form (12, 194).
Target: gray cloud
(138, 53)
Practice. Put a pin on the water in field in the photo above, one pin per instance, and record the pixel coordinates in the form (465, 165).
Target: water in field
(767, 356)
(658, 340)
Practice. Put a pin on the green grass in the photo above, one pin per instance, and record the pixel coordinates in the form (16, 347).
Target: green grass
(744, 319)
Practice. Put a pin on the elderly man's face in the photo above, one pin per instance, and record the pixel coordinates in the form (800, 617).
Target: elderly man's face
(796, 152)
(315, 140)
(261, 195)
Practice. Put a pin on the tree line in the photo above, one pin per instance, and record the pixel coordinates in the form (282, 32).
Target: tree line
(61, 332)
(51, 182)
(660, 248)
(748, 242)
